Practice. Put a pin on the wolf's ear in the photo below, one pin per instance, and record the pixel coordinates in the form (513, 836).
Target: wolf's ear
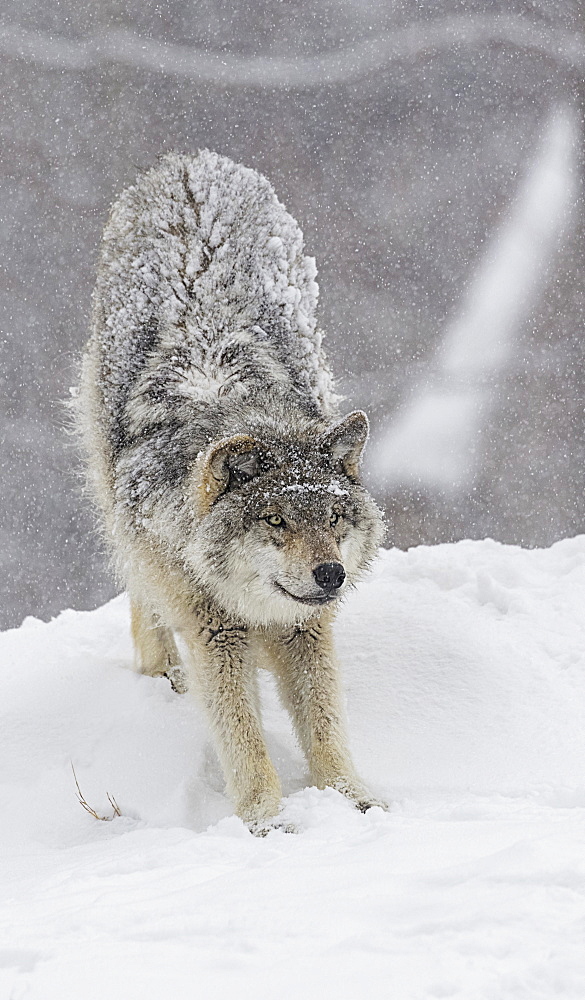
(345, 443)
(224, 466)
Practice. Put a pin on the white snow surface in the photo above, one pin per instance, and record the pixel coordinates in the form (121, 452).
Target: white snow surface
(464, 667)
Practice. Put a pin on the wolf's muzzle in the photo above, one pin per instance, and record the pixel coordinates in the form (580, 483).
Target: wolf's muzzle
(329, 576)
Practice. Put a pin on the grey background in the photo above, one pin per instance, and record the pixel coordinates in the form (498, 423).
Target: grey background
(399, 163)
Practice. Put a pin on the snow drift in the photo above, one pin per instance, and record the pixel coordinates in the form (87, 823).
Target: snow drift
(464, 667)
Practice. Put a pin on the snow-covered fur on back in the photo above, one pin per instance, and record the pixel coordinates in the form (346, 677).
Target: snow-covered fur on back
(228, 484)
(201, 254)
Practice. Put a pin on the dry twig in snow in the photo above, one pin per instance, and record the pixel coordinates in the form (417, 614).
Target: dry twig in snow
(88, 808)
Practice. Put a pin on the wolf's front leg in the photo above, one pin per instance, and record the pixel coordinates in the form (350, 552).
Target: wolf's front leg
(306, 668)
(222, 661)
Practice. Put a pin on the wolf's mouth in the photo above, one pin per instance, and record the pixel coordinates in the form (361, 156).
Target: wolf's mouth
(325, 599)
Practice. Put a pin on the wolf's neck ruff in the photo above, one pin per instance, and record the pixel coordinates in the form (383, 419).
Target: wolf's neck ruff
(228, 486)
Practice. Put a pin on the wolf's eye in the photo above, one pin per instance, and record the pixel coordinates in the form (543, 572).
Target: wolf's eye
(333, 520)
(275, 520)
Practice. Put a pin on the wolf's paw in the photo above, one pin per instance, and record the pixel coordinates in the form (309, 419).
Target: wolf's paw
(359, 796)
(177, 679)
(366, 802)
(261, 828)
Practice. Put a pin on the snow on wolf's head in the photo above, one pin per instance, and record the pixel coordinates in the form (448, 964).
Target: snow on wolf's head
(284, 527)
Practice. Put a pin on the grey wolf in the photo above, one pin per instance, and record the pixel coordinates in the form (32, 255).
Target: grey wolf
(228, 484)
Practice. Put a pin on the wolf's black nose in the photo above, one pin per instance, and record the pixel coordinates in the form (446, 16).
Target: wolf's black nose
(329, 576)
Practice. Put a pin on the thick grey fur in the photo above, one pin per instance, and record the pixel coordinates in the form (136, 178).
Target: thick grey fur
(217, 459)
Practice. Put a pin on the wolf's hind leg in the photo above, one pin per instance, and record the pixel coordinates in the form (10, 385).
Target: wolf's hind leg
(155, 650)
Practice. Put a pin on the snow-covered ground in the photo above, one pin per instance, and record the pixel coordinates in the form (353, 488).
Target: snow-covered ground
(464, 669)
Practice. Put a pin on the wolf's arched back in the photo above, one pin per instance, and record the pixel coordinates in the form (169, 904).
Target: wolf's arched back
(227, 484)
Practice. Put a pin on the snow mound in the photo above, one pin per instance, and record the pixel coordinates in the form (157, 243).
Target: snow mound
(464, 667)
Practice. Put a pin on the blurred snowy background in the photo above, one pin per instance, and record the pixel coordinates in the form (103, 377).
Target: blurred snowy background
(433, 155)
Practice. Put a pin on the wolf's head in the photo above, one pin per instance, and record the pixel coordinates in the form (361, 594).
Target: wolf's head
(284, 527)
